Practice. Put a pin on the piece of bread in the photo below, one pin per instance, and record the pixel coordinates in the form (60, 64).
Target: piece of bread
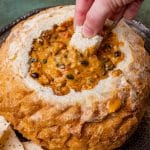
(4, 133)
(3, 126)
(81, 43)
(8, 140)
(101, 118)
(31, 146)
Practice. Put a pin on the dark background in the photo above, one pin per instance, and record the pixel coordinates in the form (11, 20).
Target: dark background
(12, 9)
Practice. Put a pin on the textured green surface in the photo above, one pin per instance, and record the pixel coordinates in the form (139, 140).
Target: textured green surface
(12, 9)
(144, 13)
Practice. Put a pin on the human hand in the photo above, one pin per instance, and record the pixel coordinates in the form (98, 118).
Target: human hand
(92, 14)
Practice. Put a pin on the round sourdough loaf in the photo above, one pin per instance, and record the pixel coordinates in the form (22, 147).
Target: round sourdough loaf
(101, 118)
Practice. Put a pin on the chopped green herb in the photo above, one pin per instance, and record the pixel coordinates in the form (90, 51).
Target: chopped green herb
(70, 76)
(84, 63)
(31, 60)
(44, 61)
(61, 66)
(90, 80)
(109, 66)
(104, 59)
(107, 46)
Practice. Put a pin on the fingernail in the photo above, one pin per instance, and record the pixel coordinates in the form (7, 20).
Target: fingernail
(87, 32)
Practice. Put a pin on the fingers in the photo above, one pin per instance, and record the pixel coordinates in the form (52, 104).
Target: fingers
(82, 7)
(114, 14)
(95, 18)
(133, 9)
(93, 13)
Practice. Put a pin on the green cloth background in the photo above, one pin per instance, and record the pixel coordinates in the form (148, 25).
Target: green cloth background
(12, 9)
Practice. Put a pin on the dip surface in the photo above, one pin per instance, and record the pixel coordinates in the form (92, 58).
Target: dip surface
(53, 63)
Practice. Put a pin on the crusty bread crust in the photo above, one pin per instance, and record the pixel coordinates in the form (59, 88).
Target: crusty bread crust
(78, 120)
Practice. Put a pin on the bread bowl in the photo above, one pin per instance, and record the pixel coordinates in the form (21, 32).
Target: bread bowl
(100, 116)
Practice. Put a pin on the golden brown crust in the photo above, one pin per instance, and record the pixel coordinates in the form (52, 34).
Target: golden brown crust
(59, 130)
(63, 126)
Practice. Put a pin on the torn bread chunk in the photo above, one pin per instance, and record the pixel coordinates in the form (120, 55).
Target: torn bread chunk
(8, 140)
(12, 142)
(3, 127)
(82, 43)
(31, 146)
